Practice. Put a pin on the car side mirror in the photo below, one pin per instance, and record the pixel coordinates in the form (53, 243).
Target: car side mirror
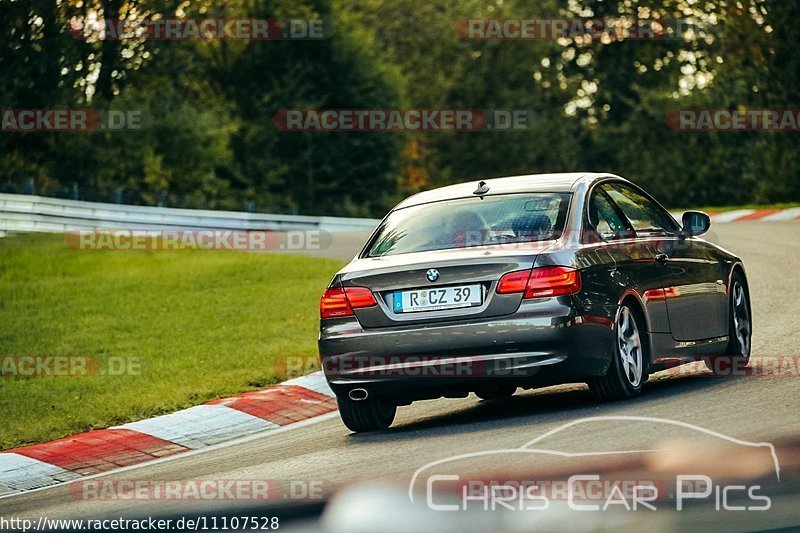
(695, 223)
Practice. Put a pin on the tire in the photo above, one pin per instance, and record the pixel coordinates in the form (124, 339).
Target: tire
(740, 331)
(630, 363)
(496, 392)
(371, 414)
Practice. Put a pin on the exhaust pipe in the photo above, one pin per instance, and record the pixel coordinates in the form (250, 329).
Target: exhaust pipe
(358, 394)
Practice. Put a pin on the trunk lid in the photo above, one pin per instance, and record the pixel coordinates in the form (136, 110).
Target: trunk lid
(479, 266)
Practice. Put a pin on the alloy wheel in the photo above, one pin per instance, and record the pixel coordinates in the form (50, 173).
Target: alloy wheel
(741, 319)
(629, 345)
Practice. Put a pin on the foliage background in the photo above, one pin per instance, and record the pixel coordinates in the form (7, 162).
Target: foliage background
(209, 140)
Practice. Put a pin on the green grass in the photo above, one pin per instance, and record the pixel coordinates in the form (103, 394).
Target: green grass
(204, 325)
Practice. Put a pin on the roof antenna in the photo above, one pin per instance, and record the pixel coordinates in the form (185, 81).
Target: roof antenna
(482, 189)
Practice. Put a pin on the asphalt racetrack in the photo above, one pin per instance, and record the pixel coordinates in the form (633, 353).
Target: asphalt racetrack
(759, 408)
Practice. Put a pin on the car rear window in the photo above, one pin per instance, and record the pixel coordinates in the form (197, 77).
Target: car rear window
(468, 222)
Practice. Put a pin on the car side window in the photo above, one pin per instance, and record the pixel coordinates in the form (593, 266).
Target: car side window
(645, 216)
(603, 220)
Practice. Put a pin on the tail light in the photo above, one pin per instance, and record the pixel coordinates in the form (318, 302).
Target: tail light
(513, 282)
(338, 302)
(541, 282)
(359, 297)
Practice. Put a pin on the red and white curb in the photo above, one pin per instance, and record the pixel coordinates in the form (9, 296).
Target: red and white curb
(202, 426)
(753, 215)
(758, 215)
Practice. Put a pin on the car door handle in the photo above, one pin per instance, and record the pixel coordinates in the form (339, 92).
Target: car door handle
(661, 258)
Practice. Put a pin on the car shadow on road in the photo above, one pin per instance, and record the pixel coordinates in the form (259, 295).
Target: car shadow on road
(552, 404)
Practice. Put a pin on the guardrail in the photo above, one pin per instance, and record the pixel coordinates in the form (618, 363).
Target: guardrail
(25, 213)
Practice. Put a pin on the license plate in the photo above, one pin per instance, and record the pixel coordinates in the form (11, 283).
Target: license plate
(437, 299)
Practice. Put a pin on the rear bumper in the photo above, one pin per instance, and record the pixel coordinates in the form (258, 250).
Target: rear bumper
(544, 342)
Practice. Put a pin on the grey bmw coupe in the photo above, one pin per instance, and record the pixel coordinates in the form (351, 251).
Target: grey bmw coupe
(527, 281)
